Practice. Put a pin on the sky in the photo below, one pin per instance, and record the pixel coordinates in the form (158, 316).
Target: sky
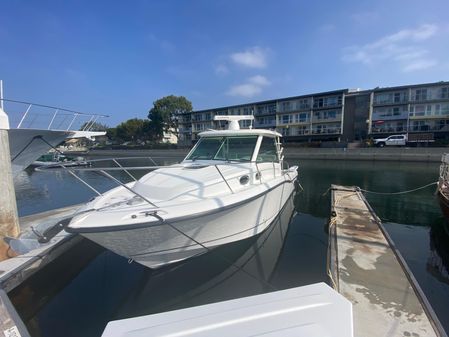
(118, 57)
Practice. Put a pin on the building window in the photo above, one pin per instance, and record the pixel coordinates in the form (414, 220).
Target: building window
(420, 94)
(301, 118)
(286, 106)
(286, 119)
(327, 101)
(303, 130)
(445, 92)
(382, 98)
(303, 104)
(339, 100)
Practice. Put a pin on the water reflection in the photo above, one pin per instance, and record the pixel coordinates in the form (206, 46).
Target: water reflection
(39, 191)
(414, 208)
(108, 286)
(438, 260)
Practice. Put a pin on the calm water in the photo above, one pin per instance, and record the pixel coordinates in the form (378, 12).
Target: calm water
(89, 286)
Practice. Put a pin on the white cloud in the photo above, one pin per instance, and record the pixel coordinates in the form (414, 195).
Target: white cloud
(259, 80)
(245, 90)
(221, 69)
(254, 57)
(419, 65)
(253, 86)
(405, 47)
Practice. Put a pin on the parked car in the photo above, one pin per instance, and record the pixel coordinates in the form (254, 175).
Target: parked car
(395, 140)
(403, 140)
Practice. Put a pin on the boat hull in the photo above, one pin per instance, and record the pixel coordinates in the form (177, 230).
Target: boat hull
(444, 204)
(158, 245)
(27, 145)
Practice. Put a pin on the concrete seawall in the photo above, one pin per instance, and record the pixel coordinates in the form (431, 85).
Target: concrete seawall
(417, 154)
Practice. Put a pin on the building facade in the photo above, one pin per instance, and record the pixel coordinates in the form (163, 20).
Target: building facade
(341, 115)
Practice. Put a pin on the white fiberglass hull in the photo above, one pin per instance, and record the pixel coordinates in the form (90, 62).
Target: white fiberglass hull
(157, 245)
(27, 145)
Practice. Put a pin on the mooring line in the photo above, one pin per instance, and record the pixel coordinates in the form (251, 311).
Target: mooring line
(387, 193)
(401, 192)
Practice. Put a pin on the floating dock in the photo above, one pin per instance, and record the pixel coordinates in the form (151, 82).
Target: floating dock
(16, 270)
(366, 268)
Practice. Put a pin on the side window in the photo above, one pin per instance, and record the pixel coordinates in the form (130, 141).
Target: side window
(267, 151)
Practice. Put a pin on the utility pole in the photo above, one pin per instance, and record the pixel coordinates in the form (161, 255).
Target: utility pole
(9, 220)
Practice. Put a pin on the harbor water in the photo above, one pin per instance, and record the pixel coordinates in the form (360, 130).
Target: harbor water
(89, 286)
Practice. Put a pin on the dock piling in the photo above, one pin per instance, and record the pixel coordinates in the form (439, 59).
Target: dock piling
(9, 220)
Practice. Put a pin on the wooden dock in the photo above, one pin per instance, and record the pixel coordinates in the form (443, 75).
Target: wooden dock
(366, 268)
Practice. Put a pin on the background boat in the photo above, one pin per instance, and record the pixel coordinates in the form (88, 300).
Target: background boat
(35, 129)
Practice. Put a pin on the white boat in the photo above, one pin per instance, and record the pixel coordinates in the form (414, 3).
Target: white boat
(229, 187)
(312, 310)
(54, 159)
(238, 269)
(35, 129)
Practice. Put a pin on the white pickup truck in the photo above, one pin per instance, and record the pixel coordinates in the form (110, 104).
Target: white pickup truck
(402, 140)
(395, 140)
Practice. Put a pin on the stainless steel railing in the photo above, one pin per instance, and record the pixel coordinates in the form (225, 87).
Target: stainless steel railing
(26, 115)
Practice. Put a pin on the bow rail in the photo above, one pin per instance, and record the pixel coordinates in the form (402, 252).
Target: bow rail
(27, 115)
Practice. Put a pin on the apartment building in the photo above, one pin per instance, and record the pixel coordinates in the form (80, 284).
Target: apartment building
(340, 115)
(415, 109)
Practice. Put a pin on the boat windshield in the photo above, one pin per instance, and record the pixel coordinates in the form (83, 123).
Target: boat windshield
(233, 148)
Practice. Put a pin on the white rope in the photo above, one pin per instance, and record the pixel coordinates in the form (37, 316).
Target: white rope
(402, 192)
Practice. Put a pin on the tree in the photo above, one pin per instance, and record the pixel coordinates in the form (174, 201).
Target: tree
(135, 130)
(95, 126)
(167, 111)
(131, 130)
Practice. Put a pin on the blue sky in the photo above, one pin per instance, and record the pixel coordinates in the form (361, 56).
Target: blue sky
(117, 57)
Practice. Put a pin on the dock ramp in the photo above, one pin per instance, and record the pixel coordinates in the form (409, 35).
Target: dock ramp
(366, 268)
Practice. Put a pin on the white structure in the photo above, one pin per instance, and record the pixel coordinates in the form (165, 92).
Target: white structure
(310, 311)
(38, 128)
(230, 186)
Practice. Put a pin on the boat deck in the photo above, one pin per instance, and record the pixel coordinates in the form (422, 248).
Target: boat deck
(312, 310)
(366, 268)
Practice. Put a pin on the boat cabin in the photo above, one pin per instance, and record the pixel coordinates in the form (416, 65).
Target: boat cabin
(240, 146)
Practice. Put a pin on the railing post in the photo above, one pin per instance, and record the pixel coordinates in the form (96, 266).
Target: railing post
(74, 117)
(24, 115)
(54, 116)
(87, 124)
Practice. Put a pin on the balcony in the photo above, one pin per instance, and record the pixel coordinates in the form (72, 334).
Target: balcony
(265, 125)
(427, 128)
(299, 122)
(326, 131)
(385, 117)
(392, 129)
(327, 120)
(401, 101)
